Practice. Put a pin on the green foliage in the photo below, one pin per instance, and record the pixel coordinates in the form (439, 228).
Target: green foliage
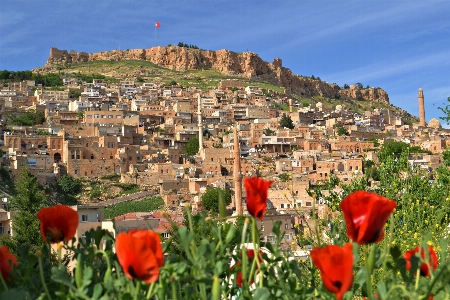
(49, 79)
(28, 200)
(446, 111)
(15, 76)
(446, 157)
(375, 141)
(29, 118)
(396, 149)
(340, 129)
(128, 188)
(112, 177)
(89, 77)
(284, 177)
(192, 146)
(43, 132)
(69, 185)
(95, 192)
(181, 44)
(286, 122)
(210, 199)
(74, 94)
(145, 205)
(269, 132)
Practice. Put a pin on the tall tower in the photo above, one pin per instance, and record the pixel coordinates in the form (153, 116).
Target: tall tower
(237, 174)
(290, 105)
(421, 108)
(200, 125)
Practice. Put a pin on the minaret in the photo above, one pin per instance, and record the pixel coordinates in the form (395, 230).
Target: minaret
(421, 108)
(200, 125)
(237, 174)
(290, 105)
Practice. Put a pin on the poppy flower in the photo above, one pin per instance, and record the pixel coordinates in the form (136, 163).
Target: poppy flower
(257, 190)
(140, 254)
(336, 267)
(365, 215)
(7, 261)
(250, 255)
(432, 260)
(60, 222)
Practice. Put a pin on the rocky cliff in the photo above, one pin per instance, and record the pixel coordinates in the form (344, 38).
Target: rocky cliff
(246, 64)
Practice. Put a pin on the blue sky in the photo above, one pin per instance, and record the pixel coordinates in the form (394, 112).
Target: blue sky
(398, 45)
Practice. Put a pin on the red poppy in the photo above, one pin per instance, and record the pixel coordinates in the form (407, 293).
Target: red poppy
(140, 254)
(7, 261)
(336, 267)
(250, 255)
(365, 215)
(257, 190)
(60, 222)
(432, 260)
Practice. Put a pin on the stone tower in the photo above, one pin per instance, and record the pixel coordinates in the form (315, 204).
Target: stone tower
(237, 174)
(290, 105)
(200, 125)
(421, 108)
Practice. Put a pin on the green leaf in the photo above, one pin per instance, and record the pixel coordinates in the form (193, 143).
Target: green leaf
(382, 291)
(87, 276)
(276, 228)
(261, 294)
(395, 252)
(230, 234)
(97, 291)
(16, 294)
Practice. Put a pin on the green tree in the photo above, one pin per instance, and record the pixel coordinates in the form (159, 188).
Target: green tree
(286, 121)
(70, 185)
(375, 141)
(28, 200)
(210, 199)
(192, 146)
(446, 157)
(446, 111)
(340, 129)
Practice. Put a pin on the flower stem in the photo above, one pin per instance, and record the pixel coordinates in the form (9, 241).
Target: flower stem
(41, 273)
(244, 251)
(3, 282)
(369, 266)
(150, 290)
(108, 265)
(138, 288)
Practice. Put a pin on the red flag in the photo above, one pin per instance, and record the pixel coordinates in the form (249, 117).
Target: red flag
(157, 24)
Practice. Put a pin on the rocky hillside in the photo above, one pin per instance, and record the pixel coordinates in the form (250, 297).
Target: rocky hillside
(246, 64)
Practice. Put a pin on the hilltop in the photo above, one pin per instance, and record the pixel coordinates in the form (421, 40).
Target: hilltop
(206, 68)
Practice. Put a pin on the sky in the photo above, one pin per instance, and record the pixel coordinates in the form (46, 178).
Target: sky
(398, 45)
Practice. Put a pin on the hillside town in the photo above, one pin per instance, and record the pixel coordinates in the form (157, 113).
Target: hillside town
(176, 141)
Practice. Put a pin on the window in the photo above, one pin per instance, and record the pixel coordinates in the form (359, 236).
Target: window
(96, 116)
(84, 218)
(89, 116)
(282, 205)
(286, 226)
(118, 117)
(110, 116)
(103, 116)
(287, 237)
(262, 227)
(1, 228)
